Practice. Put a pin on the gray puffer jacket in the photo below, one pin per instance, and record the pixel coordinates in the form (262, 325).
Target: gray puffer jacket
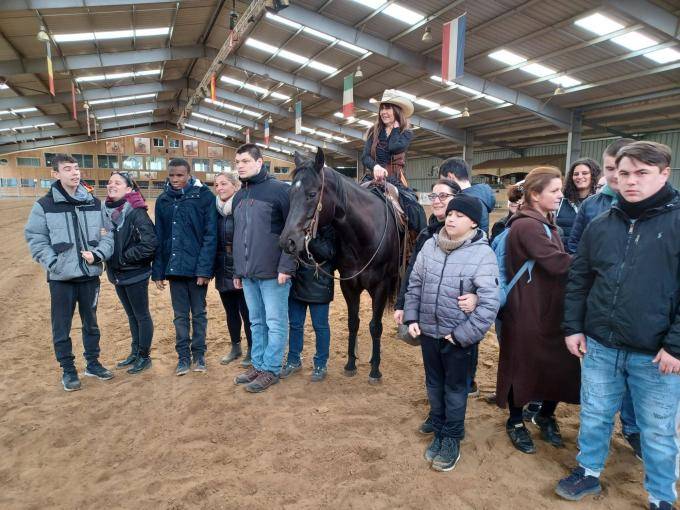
(436, 283)
(60, 227)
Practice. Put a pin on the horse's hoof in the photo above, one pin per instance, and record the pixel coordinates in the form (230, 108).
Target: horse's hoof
(350, 373)
(374, 380)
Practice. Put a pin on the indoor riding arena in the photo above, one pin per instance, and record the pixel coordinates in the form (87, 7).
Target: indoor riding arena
(126, 87)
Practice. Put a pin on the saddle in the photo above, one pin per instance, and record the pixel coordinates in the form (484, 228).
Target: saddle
(390, 193)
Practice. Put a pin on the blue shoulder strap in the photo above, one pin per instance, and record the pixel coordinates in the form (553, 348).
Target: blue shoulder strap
(527, 266)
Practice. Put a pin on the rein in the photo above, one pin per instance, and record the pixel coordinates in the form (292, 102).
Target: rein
(311, 231)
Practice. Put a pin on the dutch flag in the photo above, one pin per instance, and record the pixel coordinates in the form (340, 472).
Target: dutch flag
(453, 48)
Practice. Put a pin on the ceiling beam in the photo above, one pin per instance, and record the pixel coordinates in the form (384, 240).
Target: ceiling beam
(27, 5)
(632, 99)
(553, 114)
(293, 80)
(95, 61)
(653, 16)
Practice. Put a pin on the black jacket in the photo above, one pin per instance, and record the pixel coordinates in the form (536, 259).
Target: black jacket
(310, 286)
(433, 227)
(134, 246)
(260, 209)
(591, 207)
(624, 283)
(565, 217)
(224, 258)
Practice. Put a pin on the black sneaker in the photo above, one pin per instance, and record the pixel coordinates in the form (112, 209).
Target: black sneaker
(289, 369)
(474, 390)
(433, 450)
(426, 427)
(183, 366)
(70, 381)
(634, 442)
(550, 431)
(140, 365)
(319, 374)
(199, 363)
(663, 505)
(577, 485)
(98, 371)
(520, 437)
(264, 380)
(531, 410)
(129, 361)
(448, 455)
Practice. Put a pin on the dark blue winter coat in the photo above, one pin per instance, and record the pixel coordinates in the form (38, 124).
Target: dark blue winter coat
(186, 228)
(486, 195)
(591, 207)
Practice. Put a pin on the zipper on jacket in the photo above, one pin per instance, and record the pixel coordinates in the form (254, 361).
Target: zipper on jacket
(631, 230)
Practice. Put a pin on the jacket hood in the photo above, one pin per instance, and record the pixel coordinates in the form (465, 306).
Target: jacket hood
(530, 212)
(136, 200)
(670, 205)
(59, 194)
(259, 177)
(485, 194)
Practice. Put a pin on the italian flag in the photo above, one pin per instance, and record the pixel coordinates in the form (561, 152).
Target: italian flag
(348, 96)
(298, 117)
(266, 132)
(453, 48)
(50, 72)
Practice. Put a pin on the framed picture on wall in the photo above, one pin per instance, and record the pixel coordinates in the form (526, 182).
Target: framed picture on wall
(114, 147)
(190, 147)
(215, 152)
(142, 145)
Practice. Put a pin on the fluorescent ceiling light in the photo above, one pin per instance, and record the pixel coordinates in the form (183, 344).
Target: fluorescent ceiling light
(373, 4)
(324, 134)
(565, 81)
(18, 110)
(493, 99)
(439, 79)
(234, 108)
(124, 114)
(664, 56)
(110, 34)
(318, 34)
(403, 14)
(321, 67)
(249, 86)
(426, 103)
(289, 55)
(215, 120)
(36, 126)
(295, 142)
(260, 45)
(278, 95)
(283, 21)
(449, 111)
(538, 70)
(507, 57)
(340, 139)
(312, 147)
(352, 47)
(468, 90)
(121, 99)
(308, 130)
(117, 76)
(634, 41)
(599, 24)
(280, 138)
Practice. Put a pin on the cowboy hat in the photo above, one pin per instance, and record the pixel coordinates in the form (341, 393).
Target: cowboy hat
(391, 96)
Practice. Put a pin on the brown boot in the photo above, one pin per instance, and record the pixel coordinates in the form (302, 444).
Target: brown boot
(247, 377)
(264, 380)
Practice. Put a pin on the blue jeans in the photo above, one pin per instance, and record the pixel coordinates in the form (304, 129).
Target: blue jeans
(297, 313)
(447, 379)
(628, 420)
(268, 307)
(605, 374)
(189, 307)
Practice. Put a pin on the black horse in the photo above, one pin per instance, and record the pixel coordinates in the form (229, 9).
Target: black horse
(368, 242)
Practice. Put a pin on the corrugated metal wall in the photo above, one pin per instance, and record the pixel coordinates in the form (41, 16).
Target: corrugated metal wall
(421, 174)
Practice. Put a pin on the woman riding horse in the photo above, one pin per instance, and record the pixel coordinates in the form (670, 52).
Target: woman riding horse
(384, 155)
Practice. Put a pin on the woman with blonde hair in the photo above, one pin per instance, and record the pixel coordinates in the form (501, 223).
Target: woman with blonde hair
(233, 300)
(534, 362)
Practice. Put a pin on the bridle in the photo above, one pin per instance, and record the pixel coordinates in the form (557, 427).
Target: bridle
(313, 226)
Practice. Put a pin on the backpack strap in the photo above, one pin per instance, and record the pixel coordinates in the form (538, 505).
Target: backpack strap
(528, 266)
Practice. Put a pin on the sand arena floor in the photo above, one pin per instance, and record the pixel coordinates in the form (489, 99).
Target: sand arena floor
(159, 441)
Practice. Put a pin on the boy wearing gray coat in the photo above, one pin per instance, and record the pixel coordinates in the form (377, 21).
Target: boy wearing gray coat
(64, 235)
(455, 262)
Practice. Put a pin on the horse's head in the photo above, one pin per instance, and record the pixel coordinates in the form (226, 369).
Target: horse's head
(306, 196)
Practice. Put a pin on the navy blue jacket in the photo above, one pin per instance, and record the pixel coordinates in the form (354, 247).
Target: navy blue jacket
(260, 209)
(565, 217)
(186, 228)
(486, 196)
(590, 208)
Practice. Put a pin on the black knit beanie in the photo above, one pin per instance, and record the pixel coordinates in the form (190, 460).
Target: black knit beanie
(470, 206)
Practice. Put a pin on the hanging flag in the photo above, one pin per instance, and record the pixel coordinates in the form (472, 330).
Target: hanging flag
(73, 101)
(453, 48)
(247, 135)
(348, 96)
(213, 94)
(266, 132)
(50, 72)
(298, 117)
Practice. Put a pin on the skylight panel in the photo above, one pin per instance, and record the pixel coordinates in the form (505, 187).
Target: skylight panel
(139, 112)
(373, 4)
(110, 34)
(493, 99)
(278, 95)
(289, 55)
(340, 139)
(403, 14)
(308, 130)
(308, 146)
(538, 70)
(228, 106)
(599, 24)
(283, 21)
(280, 139)
(507, 57)
(149, 32)
(426, 103)
(352, 47)
(406, 94)
(36, 126)
(664, 56)
(366, 123)
(634, 41)
(23, 110)
(122, 99)
(438, 79)
(468, 90)
(322, 67)
(449, 111)
(318, 34)
(249, 86)
(261, 45)
(565, 81)
(117, 76)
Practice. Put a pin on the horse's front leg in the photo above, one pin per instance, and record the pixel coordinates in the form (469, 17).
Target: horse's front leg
(353, 299)
(378, 304)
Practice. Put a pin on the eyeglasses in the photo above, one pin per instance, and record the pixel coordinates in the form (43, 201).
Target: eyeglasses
(125, 175)
(440, 196)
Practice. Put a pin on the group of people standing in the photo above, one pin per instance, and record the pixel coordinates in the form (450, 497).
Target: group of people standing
(583, 287)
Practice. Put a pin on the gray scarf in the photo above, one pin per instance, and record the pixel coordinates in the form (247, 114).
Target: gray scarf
(224, 208)
(447, 244)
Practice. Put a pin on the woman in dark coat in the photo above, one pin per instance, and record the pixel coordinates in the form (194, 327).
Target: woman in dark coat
(580, 183)
(534, 362)
(129, 268)
(233, 300)
(384, 155)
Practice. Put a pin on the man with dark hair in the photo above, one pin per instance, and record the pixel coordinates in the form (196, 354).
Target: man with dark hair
(186, 228)
(64, 235)
(458, 171)
(622, 318)
(260, 210)
(592, 207)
